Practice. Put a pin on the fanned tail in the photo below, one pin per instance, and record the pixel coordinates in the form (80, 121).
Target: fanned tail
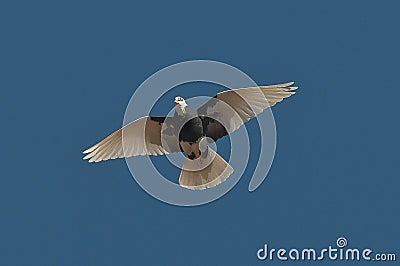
(213, 174)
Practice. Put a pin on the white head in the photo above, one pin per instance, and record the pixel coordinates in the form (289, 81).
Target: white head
(180, 105)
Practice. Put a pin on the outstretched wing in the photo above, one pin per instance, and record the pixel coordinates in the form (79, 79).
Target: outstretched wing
(140, 137)
(230, 109)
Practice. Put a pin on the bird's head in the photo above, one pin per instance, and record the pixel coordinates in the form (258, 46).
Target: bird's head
(180, 105)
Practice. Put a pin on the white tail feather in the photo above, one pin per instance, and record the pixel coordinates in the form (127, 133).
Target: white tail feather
(215, 173)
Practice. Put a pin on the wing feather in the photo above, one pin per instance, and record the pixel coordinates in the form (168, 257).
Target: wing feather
(140, 137)
(245, 102)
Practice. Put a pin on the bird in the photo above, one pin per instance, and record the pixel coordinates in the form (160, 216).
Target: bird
(190, 131)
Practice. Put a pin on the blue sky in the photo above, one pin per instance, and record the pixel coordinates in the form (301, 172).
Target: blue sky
(69, 68)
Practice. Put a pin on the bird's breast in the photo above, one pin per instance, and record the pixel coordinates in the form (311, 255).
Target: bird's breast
(192, 130)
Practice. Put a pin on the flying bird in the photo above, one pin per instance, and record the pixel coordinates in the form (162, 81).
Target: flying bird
(190, 131)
